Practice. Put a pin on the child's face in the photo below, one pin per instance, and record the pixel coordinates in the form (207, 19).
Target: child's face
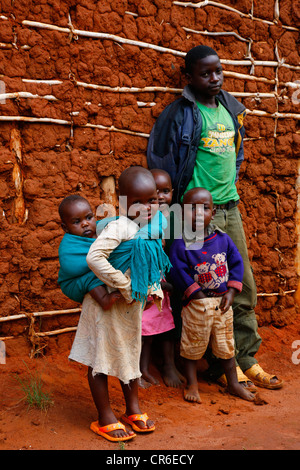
(164, 190)
(142, 202)
(79, 220)
(207, 76)
(199, 209)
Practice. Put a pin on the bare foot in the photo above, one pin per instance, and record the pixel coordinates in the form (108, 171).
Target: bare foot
(191, 393)
(171, 377)
(248, 386)
(143, 383)
(146, 376)
(240, 391)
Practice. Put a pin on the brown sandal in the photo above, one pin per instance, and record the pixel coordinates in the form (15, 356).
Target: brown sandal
(260, 378)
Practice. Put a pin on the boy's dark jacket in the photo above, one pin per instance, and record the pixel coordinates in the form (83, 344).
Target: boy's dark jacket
(175, 137)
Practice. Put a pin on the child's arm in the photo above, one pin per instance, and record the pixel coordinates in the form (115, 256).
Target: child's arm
(97, 259)
(235, 266)
(104, 299)
(236, 271)
(180, 272)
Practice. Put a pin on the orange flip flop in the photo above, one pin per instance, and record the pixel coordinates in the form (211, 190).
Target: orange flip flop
(102, 431)
(137, 417)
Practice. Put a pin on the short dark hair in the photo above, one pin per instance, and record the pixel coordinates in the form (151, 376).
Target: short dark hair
(133, 174)
(67, 201)
(196, 53)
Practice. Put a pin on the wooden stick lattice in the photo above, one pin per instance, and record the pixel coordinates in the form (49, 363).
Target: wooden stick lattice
(250, 61)
(243, 15)
(75, 33)
(97, 35)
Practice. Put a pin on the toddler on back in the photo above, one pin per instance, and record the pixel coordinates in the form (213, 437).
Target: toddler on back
(77, 219)
(209, 272)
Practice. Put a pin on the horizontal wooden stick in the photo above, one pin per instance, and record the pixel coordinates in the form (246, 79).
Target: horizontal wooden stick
(40, 314)
(126, 131)
(6, 45)
(276, 293)
(118, 39)
(119, 89)
(45, 333)
(21, 94)
(35, 119)
(115, 129)
(25, 94)
(221, 33)
(57, 332)
(264, 63)
(48, 82)
(226, 73)
(257, 112)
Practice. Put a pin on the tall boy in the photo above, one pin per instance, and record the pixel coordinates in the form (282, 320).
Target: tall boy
(198, 139)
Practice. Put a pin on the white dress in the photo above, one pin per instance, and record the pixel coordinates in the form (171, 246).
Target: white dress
(109, 341)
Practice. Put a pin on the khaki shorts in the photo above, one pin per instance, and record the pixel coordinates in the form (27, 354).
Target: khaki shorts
(204, 325)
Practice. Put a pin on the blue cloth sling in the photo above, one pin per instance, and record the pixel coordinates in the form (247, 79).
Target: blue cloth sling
(143, 254)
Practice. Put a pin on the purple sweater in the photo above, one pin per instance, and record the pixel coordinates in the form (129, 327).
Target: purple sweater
(212, 268)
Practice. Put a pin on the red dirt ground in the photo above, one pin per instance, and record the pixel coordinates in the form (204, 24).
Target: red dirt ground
(221, 422)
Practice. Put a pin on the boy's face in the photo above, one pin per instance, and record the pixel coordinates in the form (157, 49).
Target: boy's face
(142, 201)
(199, 209)
(79, 220)
(164, 190)
(207, 76)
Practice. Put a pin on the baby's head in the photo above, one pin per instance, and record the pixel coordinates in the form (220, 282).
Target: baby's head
(137, 185)
(199, 209)
(77, 217)
(164, 189)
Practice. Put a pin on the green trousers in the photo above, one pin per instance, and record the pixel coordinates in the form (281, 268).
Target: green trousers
(247, 340)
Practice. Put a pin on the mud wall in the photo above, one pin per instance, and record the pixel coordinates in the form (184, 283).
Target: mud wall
(82, 83)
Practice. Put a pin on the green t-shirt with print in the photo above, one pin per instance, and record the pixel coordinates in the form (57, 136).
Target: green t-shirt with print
(215, 167)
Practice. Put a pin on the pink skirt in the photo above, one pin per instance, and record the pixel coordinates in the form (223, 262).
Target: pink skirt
(155, 322)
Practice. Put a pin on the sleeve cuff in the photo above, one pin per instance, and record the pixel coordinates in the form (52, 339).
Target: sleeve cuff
(191, 289)
(236, 284)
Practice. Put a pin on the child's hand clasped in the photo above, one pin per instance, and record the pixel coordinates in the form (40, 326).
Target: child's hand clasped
(166, 286)
(227, 299)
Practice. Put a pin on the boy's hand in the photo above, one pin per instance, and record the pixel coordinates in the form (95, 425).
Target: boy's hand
(166, 286)
(198, 295)
(227, 299)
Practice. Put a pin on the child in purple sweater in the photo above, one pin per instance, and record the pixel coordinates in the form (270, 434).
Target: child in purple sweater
(208, 270)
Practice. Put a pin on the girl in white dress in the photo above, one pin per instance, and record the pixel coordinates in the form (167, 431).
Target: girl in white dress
(109, 341)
